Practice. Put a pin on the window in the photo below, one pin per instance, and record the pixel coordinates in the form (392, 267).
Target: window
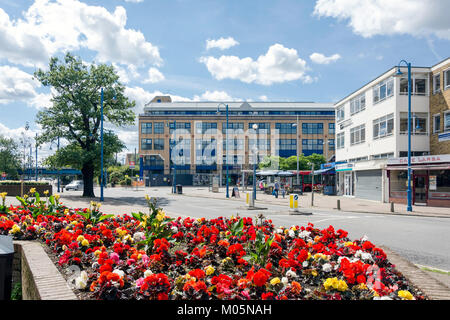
(383, 90)
(437, 123)
(330, 144)
(358, 134)
(263, 128)
(310, 146)
(404, 154)
(180, 125)
(446, 79)
(447, 121)
(286, 128)
(233, 126)
(205, 151)
(260, 144)
(146, 127)
(180, 150)
(203, 127)
(418, 123)
(312, 128)
(233, 144)
(331, 128)
(340, 140)
(287, 144)
(340, 114)
(437, 83)
(158, 144)
(383, 127)
(146, 144)
(418, 85)
(383, 156)
(158, 128)
(153, 161)
(358, 104)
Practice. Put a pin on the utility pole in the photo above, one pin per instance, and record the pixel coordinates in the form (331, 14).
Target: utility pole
(312, 184)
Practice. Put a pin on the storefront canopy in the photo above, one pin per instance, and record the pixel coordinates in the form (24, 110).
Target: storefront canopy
(327, 171)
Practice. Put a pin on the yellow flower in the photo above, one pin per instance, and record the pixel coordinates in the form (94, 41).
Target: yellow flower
(309, 255)
(3, 195)
(57, 196)
(331, 283)
(85, 243)
(342, 285)
(97, 253)
(80, 238)
(147, 197)
(349, 243)
(405, 295)
(160, 216)
(66, 211)
(210, 270)
(275, 281)
(314, 273)
(25, 196)
(46, 192)
(32, 190)
(15, 228)
(361, 286)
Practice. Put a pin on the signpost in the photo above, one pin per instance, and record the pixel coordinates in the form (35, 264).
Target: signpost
(293, 202)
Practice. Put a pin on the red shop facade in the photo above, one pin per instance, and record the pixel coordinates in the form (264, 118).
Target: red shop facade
(430, 180)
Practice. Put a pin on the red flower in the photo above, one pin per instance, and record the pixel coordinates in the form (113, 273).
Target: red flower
(197, 273)
(267, 296)
(260, 278)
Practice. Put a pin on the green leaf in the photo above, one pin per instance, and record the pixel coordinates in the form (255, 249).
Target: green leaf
(38, 198)
(106, 216)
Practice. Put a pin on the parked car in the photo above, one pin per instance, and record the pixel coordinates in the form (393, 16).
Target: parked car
(75, 185)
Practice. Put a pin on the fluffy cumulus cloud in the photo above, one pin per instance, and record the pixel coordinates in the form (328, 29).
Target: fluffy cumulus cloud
(278, 65)
(386, 17)
(154, 75)
(214, 96)
(221, 43)
(49, 27)
(16, 84)
(320, 58)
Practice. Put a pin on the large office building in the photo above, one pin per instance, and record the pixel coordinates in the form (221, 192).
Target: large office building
(372, 137)
(192, 137)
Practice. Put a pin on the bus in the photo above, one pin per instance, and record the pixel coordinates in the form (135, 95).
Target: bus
(306, 181)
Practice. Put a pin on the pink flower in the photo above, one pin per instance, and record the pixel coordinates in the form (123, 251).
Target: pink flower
(145, 259)
(114, 256)
(130, 261)
(139, 282)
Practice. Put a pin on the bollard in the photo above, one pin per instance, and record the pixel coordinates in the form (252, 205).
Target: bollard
(293, 202)
(339, 204)
(392, 207)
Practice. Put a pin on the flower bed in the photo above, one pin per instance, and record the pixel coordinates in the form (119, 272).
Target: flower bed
(151, 256)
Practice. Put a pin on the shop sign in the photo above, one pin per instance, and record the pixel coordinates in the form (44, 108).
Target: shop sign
(433, 183)
(420, 160)
(344, 167)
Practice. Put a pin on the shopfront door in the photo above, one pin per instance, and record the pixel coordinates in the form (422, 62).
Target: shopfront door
(420, 189)
(348, 187)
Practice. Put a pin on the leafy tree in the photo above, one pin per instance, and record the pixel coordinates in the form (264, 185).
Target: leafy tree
(317, 159)
(291, 162)
(9, 157)
(75, 113)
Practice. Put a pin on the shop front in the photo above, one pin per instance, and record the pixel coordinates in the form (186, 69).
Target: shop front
(430, 180)
(345, 179)
(328, 179)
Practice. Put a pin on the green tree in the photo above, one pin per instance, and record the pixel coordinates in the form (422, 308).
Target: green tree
(317, 159)
(9, 157)
(75, 114)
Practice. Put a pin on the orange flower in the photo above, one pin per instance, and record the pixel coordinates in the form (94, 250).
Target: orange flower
(296, 287)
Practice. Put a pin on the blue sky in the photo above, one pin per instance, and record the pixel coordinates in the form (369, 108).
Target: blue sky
(286, 50)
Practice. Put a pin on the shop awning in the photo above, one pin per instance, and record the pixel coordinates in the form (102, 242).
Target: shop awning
(438, 167)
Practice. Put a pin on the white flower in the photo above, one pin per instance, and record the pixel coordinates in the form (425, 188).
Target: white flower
(284, 280)
(279, 231)
(326, 267)
(304, 234)
(81, 281)
(305, 264)
(139, 236)
(291, 274)
(147, 273)
(365, 238)
(119, 272)
(174, 229)
(365, 256)
(292, 233)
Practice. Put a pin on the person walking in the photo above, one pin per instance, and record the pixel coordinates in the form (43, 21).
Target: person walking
(283, 190)
(276, 188)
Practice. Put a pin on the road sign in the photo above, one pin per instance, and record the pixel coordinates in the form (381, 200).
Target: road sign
(132, 164)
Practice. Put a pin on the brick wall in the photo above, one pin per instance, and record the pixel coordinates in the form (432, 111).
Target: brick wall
(439, 103)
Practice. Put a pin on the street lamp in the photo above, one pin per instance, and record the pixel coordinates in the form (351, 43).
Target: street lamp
(255, 159)
(226, 143)
(399, 74)
(174, 172)
(312, 183)
(296, 125)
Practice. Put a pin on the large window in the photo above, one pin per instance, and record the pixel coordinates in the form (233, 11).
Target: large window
(418, 84)
(233, 126)
(205, 151)
(331, 128)
(206, 127)
(358, 104)
(383, 90)
(158, 128)
(447, 121)
(310, 146)
(146, 144)
(263, 127)
(419, 123)
(442, 186)
(312, 128)
(260, 144)
(158, 144)
(286, 128)
(436, 83)
(146, 127)
(340, 140)
(287, 144)
(331, 145)
(340, 113)
(446, 79)
(180, 125)
(437, 123)
(233, 144)
(383, 127)
(153, 161)
(358, 134)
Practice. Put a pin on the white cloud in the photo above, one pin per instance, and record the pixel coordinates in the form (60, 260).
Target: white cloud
(319, 58)
(221, 43)
(386, 17)
(16, 84)
(214, 96)
(154, 75)
(263, 98)
(278, 65)
(134, 1)
(49, 27)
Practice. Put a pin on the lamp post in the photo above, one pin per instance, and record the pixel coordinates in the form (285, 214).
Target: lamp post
(174, 182)
(255, 159)
(312, 184)
(226, 145)
(296, 125)
(101, 148)
(27, 126)
(36, 159)
(399, 74)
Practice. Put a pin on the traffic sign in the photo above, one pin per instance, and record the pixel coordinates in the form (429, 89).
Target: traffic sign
(132, 164)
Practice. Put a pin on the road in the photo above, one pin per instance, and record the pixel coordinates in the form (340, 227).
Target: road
(421, 240)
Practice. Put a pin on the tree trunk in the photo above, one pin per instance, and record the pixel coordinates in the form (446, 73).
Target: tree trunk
(88, 179)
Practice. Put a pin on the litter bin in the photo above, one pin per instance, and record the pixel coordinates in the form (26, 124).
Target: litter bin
(6, 262)
(179, 189)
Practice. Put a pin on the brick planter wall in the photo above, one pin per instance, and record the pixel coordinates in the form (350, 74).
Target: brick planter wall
(14, 190)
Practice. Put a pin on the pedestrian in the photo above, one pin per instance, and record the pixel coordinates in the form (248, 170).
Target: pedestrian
(276, 189)
(283, 190)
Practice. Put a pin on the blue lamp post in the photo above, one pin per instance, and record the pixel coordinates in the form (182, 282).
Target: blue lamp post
(226, 143)
(255, 159)
(399, 74)
(174, 182)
